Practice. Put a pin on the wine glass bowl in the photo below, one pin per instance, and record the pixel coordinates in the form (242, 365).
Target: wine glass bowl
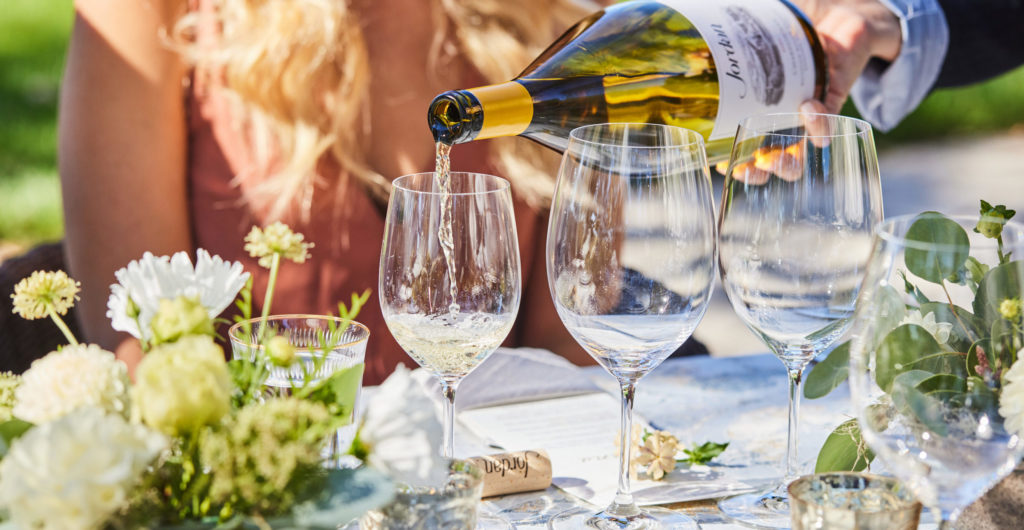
(630, 262)
(800, 198)
(930, 313)
(450, 279)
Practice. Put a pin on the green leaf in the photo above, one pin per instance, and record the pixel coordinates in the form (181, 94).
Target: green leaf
(981, 398)
(829, 373)
(913, 290)
(338, 391)
(1005, 341)
(999, 283)
(904, 383)
(943, 383)
(935, 264)
(844, 450)
(349, 493)
(11, 430)
(704, 453)
(966, 329)
(904, 348)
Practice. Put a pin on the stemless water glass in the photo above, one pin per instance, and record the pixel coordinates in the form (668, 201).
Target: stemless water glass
(323, 346)
(800, 198)
(937, 328)
(450, 274)
(630, 261)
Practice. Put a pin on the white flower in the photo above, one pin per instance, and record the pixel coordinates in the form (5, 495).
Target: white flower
(143, 283)
(1011, 399)
(402, 432)
(36, 295)
(76, 376)
(938, 330)
(76, 471)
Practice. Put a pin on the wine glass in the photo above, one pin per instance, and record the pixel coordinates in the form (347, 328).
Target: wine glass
(449, 274)
(630, 261)
(933, 343)
(800, 198)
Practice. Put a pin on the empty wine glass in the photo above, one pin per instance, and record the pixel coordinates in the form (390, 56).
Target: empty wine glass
(800, 198)
(630, 261)
(450, 274)
(936, 331)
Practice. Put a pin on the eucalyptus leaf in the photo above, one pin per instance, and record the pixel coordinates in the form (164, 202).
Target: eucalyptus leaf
(948, 245)
(338, 391)
(927, 409)
(943, 383)
(829, 373)
(1005, 341)
(349, 494)
(982, 399)
(1000, 283)
(901, 350)
(844, 450)
(902, 384)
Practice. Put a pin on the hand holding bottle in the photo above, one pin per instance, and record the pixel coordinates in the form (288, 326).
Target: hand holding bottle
(852, 32)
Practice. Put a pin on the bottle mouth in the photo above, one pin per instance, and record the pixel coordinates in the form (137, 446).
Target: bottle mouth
(454, 117)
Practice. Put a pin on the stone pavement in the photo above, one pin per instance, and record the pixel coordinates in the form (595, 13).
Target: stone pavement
(950, 176)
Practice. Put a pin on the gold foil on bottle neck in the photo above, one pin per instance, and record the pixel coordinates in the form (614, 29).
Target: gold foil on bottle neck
(507, 108)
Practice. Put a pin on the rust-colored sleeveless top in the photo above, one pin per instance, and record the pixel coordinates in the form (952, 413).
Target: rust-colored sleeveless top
(347, 239)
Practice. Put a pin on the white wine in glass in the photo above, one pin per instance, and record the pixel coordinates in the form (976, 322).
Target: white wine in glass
(450, 277)
(630, 261)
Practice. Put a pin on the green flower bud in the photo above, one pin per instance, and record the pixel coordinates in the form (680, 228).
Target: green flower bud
(179, 318)
(1010, 309)
(992, 220)
(280, 351)
(183, 386)
(132, 309)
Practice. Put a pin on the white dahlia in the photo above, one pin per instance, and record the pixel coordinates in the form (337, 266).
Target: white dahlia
(143, 283)
(76, 376)
(1011, 399)
(75, 472)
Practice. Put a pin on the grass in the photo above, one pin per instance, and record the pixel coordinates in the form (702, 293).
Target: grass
(33, 38)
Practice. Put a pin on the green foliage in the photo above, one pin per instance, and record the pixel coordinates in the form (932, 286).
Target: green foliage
(936, 263)
(337, 392)
(11, 430)
(829, 373)
(704, 453)
(844, 450)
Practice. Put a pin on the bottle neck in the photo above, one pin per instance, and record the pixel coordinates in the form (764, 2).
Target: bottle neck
(459, 116)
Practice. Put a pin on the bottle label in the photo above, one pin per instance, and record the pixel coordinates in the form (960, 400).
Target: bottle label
(762, 55)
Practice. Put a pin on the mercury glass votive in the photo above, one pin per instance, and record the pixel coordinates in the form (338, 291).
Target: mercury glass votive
(847, 501)
(452, 506)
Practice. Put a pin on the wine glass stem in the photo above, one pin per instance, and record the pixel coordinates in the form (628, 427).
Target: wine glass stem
(792, 462)
(448, 390)
(623, 498)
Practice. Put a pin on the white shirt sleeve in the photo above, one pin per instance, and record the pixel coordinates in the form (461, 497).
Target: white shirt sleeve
(885, 94)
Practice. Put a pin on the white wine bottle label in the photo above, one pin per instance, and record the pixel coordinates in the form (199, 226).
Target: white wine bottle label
(763, 58)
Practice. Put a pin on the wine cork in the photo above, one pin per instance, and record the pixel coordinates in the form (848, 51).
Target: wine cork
(516, 472)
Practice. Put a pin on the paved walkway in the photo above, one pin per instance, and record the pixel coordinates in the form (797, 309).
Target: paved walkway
(950, 176)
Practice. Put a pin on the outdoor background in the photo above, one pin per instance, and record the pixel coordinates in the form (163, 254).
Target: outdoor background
(959, 146)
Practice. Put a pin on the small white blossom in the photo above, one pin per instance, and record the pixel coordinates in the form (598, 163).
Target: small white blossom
(939, 330)
(74, 377)
(402, 430)
(36, 295)
(1011, 399)
(75, 472)
(143, 283)
(277, 238)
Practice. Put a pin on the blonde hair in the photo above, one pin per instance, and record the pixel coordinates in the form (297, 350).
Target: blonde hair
(274, 55)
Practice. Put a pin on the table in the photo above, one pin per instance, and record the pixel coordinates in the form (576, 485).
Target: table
(741, 399)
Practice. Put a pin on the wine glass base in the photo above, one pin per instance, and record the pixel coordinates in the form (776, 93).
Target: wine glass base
(761, 509)
(645, 519)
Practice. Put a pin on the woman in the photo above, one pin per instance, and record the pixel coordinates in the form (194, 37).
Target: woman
(182, 125)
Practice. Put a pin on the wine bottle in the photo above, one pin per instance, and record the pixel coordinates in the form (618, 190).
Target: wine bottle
(699, 64)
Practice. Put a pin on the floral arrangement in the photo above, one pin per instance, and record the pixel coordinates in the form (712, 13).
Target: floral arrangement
(193, 441)
(656, 453)
(934, 356)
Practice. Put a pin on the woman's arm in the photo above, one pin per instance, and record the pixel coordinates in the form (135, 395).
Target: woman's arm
(121, 152)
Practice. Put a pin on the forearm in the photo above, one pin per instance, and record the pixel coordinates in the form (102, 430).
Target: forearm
(121, 149)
